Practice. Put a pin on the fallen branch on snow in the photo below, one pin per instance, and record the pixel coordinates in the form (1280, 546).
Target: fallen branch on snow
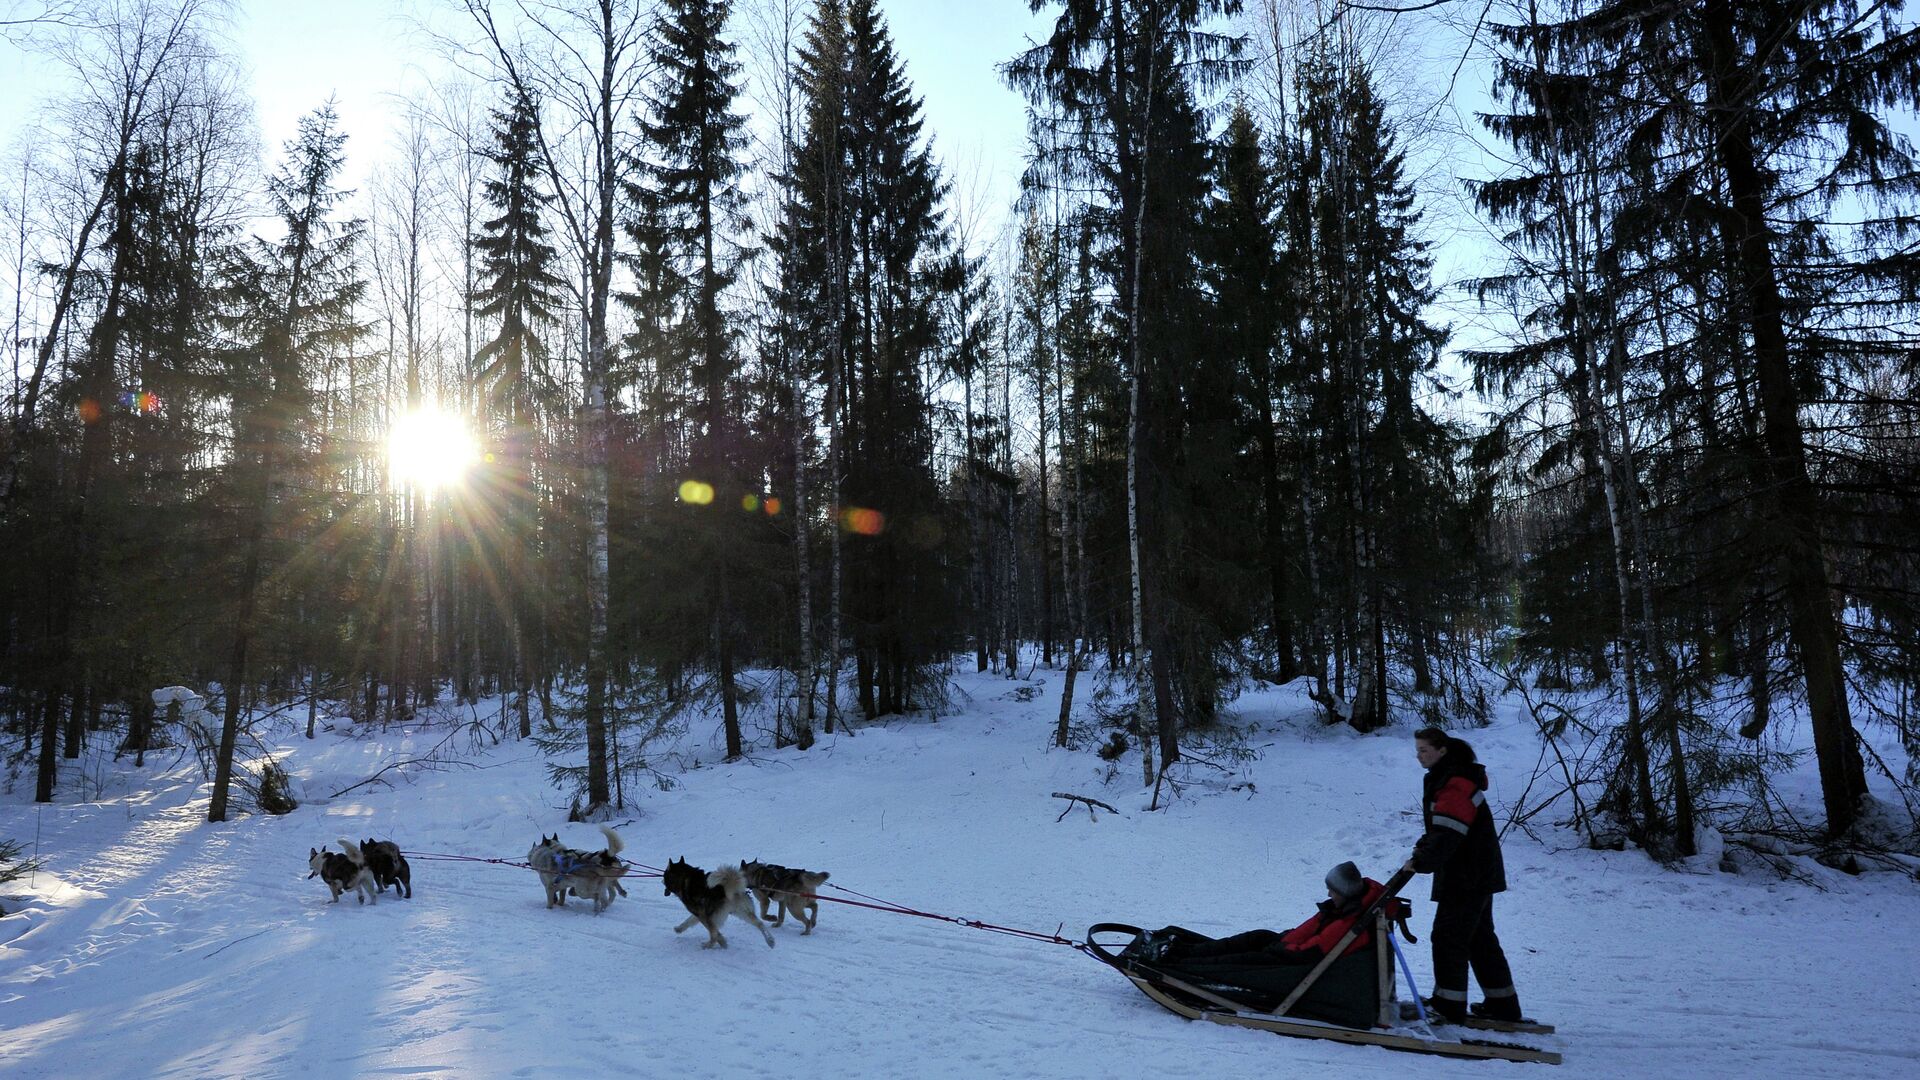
(1091, 803)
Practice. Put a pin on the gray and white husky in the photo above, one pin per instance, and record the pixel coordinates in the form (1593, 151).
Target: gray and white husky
(343, 872)
(792, 889)
(710, 898)
(592, 875)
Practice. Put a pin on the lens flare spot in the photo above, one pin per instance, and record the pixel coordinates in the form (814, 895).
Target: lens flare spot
(924, 531)
(771, 505)
(862, 521)
(749, 502)
(89, 410)
(696, 493)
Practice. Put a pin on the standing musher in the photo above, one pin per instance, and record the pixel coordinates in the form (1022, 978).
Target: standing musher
(1462, 852)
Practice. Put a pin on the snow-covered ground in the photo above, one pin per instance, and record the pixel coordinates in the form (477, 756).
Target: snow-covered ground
(157, 945)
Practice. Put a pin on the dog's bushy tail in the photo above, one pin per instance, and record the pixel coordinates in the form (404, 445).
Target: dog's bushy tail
(353, 851)
(728, 878)
(614, 844)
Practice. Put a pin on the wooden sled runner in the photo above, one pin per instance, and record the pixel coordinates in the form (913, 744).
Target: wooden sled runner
(1228, 1003)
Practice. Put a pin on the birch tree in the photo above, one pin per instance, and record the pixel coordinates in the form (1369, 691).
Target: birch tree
(585, 65)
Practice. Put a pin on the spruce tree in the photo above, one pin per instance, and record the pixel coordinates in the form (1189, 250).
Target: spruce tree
(520, 289)
(1713, 145)
(691, 201)
(1118, 80)
(1244, 280)
(897, 590)
(812, 244)
(293, 300)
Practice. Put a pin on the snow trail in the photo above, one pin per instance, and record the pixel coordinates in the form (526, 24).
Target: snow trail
(157, 945)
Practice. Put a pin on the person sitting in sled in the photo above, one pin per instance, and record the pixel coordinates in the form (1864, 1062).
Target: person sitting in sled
(1262, 969)
(1348, 894)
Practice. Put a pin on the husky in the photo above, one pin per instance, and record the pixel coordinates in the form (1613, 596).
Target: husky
(592, 875)
(389, 867)
(710, 898)
(342, 872)
(792, 889)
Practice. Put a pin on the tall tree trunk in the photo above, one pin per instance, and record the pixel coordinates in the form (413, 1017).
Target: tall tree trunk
(1133, 166)
(141, 732)
(1279, 621)
(976, 531)
(76, 734)
(598, 790)
(805, 677)
(1045, 529)
(1591, 404)
(237, 659)
(1669, 710)
(1140, 677)
(836, 543)
(729, 694)
(1759, 693)
(1010, 606)
(1816, 633)
(49, 761)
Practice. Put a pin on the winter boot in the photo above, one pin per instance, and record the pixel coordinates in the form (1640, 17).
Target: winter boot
(1505, 1007)
(1446, 1010)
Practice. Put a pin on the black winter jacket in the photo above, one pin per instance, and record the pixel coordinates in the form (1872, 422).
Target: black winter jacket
(1460, 849)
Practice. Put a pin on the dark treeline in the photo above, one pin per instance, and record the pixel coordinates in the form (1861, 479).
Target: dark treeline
(767, 425)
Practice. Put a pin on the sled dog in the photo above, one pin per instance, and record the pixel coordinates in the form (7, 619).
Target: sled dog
(342, 872)
(388, 866)
(710, 898)
(591, 875)
(792, 889)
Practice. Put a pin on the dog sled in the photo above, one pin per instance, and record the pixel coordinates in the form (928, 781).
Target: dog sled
(1345, 998)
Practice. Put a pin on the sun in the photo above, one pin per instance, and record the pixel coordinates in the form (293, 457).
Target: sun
(430, 449)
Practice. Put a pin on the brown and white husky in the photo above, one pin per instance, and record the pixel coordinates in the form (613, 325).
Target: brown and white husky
(792, 889)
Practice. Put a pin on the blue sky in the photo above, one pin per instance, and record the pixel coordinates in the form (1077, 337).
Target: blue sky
(371, 56)
(368, 55)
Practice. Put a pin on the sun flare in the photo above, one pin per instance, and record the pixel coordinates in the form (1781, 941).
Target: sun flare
(430, 449)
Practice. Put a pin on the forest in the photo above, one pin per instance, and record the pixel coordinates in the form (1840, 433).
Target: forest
(661, 375)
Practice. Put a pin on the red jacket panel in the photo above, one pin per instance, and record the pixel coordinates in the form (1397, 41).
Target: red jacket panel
(1320, 933)
(1459, 801)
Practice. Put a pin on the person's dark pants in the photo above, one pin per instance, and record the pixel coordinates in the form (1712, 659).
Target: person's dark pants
(1463, 937)
(1252, 941)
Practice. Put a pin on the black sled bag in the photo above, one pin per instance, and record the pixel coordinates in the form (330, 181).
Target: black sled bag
(1348, 993)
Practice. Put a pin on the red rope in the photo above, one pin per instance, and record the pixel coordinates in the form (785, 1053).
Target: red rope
(435, 856)
(875, 904)
(976, 924)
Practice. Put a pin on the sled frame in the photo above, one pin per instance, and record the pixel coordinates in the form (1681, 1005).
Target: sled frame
(1225, 1011)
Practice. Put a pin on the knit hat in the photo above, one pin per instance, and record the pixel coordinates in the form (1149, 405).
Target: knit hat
(1345, 879)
